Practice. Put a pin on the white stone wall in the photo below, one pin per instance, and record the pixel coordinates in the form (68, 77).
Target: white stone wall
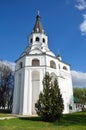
(27, 90)
(27, 87)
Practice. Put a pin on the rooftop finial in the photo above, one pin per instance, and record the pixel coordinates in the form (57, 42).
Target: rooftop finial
(38, 12)
(59, 56)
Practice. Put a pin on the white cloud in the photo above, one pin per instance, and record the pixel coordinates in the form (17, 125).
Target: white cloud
(78, 79)
(80, 4)
(83, 25)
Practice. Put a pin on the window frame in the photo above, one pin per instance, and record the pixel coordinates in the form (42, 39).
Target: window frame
(37, 39)
(52, 64)
(35, 62)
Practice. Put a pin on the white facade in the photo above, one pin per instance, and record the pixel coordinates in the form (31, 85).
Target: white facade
(34, 62)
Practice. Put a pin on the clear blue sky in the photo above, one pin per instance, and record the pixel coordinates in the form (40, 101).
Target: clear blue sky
(61, 21)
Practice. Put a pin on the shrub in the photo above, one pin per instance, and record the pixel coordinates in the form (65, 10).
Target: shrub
(50, 104)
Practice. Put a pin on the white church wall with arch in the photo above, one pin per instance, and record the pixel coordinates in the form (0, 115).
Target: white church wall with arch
(33, 63)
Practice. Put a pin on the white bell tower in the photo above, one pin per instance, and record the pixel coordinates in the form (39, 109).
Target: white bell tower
(33, 63)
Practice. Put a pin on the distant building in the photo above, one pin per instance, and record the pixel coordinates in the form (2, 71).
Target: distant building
(77, 106)
(34, 62)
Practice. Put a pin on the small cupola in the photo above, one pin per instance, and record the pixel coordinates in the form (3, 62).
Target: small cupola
(59, 56)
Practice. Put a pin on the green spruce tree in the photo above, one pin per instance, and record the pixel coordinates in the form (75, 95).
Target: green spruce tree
(50, 104)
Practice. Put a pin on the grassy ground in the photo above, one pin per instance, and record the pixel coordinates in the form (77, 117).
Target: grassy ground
(75, 121)
(5, 115)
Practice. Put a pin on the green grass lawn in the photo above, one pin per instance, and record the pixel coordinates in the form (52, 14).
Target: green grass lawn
(74, 121)
(5, 115)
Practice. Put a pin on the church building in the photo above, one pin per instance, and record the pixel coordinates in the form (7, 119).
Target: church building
(31, 66)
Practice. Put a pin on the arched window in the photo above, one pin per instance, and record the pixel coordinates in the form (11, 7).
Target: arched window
(65, 68)
(20, 65)
(43, 40)
(35, 62)
(37, 39)
(52, 64)
(31, 40)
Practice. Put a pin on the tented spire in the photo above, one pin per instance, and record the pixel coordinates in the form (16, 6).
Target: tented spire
(38, 28)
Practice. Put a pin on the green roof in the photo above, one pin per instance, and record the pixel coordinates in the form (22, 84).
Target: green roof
(75, 99)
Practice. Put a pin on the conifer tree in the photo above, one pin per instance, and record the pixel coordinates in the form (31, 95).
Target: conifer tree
(50, 104)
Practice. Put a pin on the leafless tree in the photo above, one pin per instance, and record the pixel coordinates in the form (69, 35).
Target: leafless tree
(6, 86)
